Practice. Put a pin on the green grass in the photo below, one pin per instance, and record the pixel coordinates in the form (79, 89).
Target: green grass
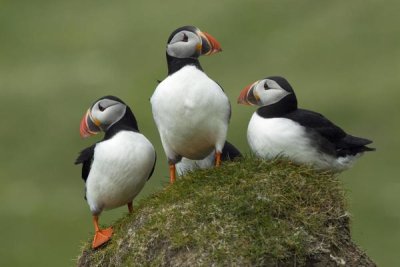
(57, 57)
(248, 212)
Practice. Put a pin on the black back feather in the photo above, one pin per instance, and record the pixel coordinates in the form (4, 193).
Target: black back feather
(154, 166)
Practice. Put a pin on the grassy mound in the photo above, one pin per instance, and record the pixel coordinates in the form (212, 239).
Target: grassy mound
(246, 213)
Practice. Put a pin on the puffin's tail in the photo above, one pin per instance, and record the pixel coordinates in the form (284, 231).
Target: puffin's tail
(352, 145)
(230, 152)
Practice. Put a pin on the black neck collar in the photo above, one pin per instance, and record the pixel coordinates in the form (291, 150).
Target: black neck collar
(281, 108)
(127, 123)
(175, 64)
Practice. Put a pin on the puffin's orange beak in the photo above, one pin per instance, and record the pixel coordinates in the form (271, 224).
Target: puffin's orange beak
(209, 44)
(88, 126)
(247, 95)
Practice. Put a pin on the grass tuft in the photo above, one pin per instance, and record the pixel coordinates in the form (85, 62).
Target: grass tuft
(245, 213)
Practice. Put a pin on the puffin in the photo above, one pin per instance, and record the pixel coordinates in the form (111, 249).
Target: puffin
(229, 153)
(191, 111)
(116, 168)
(280, 128)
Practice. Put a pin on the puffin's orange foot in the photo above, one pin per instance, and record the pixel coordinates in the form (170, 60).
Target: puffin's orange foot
(217, 159)
(172, 175)
(101, 237)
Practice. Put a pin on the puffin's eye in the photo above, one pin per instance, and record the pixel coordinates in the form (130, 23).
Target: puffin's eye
(185, 38)
(266, 86)
(101, 108)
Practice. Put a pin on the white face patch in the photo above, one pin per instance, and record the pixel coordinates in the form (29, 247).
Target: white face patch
(183, 44)
(269, 92)
(107, 112)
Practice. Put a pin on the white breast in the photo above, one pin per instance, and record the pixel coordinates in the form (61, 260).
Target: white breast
(120, 168)
(191, 113)
(272, 137)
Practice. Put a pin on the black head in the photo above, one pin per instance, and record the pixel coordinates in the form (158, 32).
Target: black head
(282, 82)
(190, 42)
(267, 92)
(106, 113)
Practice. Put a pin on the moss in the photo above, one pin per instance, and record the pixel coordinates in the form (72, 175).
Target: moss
(245, 213)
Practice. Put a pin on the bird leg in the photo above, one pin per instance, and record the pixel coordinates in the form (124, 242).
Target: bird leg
(172, 176)
(130, 207)
(100, 236)
(217, 159)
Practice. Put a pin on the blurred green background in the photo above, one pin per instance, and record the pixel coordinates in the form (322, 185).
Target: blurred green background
(57, 57)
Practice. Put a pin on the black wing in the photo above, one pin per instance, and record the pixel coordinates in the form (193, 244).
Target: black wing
(340, 143)
(318, 123)
(86, 158)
